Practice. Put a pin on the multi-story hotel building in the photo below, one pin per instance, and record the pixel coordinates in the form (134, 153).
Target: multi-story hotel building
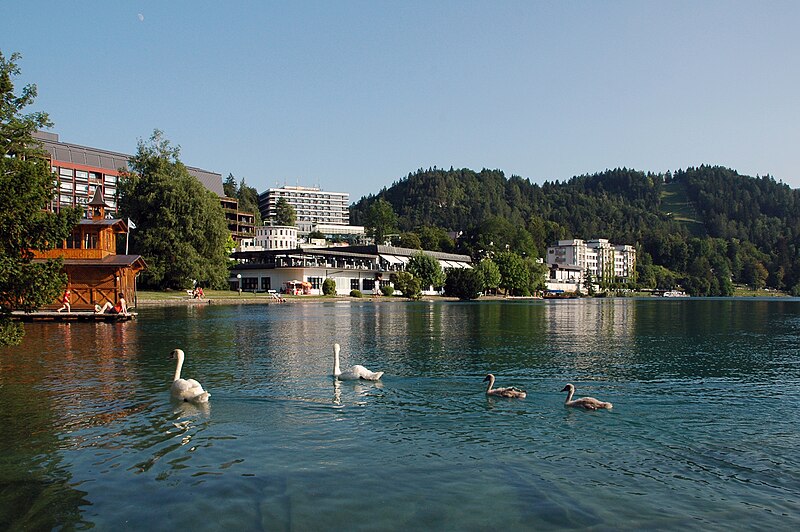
(81, 170)
(312, 206)
(601, 259)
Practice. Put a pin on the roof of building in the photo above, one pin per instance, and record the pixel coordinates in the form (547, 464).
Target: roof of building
(109, 160)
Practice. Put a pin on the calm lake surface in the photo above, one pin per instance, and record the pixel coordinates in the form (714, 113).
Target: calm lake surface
(704, 433)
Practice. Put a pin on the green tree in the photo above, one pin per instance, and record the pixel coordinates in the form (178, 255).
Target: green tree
(26, 187)
(514, 274)
(380, 221)
(329, 287)
(406, 283)
(284, 213)
(180, 226)
(537, 274)
(489, 275)
(229, 187)
(407, 240)
(427, 269)
(463, 283)
(435, 239)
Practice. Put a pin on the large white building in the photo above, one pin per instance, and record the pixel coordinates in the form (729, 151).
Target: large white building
(311, 205)
(603, 260)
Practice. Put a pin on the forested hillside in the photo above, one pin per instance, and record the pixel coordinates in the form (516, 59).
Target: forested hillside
(702, 228)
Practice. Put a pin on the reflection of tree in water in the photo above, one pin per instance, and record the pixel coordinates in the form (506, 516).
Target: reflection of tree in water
(35, 490)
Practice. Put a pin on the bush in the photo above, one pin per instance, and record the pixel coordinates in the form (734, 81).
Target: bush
(356, 293)
(463, 283)
(387, 290)
(329, 287)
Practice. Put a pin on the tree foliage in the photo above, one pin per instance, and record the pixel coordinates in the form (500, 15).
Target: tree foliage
(246, 195)
(380, 220)
(406, 283)
(427, 269)
(180, 226)
(463, 283)
(26, 188)
(741, 221)
(284, 213)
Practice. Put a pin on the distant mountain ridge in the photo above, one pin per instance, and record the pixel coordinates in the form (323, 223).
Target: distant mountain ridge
(651, 210)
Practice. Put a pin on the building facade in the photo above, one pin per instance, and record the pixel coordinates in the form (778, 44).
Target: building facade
(363, 268)
(603, 261)
(311, 205)
(96, 273)
(81, 170)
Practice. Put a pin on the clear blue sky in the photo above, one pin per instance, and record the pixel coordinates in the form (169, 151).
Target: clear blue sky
(354, 95)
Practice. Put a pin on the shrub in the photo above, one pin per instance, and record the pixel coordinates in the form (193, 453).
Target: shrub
(356, 293)
(329, 287)
(387, 290)
(463, 283)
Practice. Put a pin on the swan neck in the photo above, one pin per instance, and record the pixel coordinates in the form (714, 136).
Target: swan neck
(336, 370)
(570, 393)
(178, 367)
(491, 383)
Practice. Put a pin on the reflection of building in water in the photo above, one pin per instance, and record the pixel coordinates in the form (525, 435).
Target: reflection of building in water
(592, 330)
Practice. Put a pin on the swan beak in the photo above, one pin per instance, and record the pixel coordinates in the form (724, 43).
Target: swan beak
(487, 378)
(566, 389)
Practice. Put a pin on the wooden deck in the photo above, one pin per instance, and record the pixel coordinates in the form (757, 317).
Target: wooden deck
(51, 315)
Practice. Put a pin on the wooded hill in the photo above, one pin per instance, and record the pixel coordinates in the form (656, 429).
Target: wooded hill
(700, 228)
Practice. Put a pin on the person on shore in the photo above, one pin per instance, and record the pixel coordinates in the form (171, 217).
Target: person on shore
(65, 301)
(120, 308)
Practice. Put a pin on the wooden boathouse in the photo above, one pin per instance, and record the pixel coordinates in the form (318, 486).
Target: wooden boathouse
(96, 273)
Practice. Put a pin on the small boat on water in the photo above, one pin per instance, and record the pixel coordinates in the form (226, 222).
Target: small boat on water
(675, 293)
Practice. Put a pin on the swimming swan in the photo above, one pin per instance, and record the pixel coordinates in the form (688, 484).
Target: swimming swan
(353, 373)
(510, 392)
(186, 389)
(589, 403)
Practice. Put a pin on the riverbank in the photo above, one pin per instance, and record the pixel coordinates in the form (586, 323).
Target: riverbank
(228, 297)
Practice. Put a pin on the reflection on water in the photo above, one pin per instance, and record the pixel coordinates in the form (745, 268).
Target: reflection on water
(92, 439)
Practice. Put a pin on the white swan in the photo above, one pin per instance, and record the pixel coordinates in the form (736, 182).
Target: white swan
(510, 392)
(352, 373)
(186, 389)
(589, 403)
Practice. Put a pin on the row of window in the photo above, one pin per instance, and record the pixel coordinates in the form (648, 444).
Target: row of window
(68, 174)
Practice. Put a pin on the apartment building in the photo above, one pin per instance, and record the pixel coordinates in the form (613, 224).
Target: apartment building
(81, 170)
(604, 261)
(312, 206)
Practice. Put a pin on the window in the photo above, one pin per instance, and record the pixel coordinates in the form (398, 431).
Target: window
(354, 285)
(73, 242)
(81, 175)
(65, 172)
(249, 283)
(90, 241)
(110, 179)
(316, 282)
(266, 283)
(369, 284)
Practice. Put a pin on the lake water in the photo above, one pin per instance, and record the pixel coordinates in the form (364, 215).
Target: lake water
(703, 434)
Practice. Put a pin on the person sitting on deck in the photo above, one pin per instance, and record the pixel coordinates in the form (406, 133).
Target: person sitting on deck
(120, 308)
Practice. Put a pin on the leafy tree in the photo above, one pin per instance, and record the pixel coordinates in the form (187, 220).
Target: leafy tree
(284, 213)
(316, 234)
(426, 268)
(537, 272)
(514, 274)
(435, 239)
(489, 275)
(406, 283)
(329, 287)
(380, 220)
(463, 283)
(407, 240)
(180, 226)
(26, 188)
(229, 187)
